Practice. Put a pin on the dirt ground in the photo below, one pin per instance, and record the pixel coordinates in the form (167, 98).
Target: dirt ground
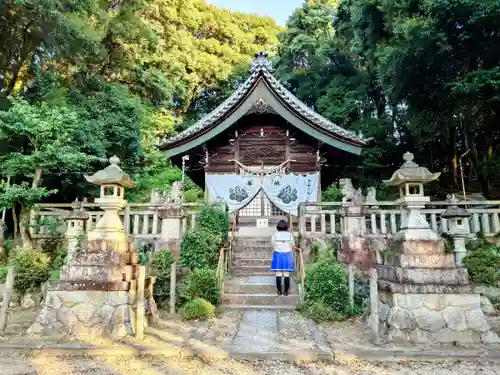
(339, 336)
(18, 364)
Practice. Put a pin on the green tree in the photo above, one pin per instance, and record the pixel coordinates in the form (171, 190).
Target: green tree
(41, 139)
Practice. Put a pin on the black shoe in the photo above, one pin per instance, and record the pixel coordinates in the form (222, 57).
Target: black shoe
(278, 285)
(287, 285)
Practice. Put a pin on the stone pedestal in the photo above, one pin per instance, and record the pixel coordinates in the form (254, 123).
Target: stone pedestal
(171, 227)
(355, 247)
(426, 298)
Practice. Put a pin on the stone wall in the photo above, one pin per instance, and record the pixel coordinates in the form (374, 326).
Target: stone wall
(86, 312)
(437, 318)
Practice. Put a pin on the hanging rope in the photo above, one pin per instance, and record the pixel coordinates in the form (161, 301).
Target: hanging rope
(280, 169)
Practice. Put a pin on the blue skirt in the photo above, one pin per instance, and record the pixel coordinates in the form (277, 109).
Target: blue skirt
(282, 262)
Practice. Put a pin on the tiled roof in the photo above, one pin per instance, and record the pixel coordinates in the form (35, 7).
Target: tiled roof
(261, 66)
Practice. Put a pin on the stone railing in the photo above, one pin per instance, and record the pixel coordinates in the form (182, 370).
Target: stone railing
(383, 219)
(139, 219)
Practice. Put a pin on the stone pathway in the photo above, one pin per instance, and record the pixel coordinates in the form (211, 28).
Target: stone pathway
(262, 331)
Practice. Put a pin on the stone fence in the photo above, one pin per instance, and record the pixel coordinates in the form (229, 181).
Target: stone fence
(144, 221)
(383, 220)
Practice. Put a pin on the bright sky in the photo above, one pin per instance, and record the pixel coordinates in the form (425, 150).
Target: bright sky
(280, 10)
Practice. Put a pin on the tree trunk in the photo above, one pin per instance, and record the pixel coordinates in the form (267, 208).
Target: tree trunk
(25, 213)
(484, 180)
(454, 158)
(15, 222)
(24, 222)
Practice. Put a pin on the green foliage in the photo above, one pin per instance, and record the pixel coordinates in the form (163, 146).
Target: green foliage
(397, 72)
(58, 259)
(84, 80)
(199, 249)
(331, 194)
(326, 282)
(3, 274)
(214, 220)
(161, 265)
(32, 268)
(483, 265)
(496, 303)
(198, 309)
(319, 311)
(201, 283)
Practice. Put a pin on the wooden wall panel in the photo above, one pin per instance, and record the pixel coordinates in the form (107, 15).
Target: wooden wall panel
(255, 149)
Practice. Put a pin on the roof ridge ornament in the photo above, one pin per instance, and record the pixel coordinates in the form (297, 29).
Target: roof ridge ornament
(261, 62)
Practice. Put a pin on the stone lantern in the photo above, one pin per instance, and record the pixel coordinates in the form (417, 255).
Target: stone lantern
(410, 179)
(98, 286)
(75, 227)
(424, 297)
(113, 181)
(458, 228)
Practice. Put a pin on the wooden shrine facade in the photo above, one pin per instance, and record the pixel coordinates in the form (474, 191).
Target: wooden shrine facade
(261, 128)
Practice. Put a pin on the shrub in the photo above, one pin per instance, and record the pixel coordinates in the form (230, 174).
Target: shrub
(326, 282)
(331, 194)
(198, 309)
(199, 249)
(201, 283)
(161, 265)
(32, 268)
(214, 220)
(320, 312)
(3, 274)
(58, 259)
(483, 265)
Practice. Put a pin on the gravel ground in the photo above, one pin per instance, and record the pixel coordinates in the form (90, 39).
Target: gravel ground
(39, 365)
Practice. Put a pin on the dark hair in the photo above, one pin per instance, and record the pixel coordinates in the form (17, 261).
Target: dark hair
(282, 226)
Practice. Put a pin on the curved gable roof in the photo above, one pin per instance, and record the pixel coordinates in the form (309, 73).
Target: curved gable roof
(262, 89)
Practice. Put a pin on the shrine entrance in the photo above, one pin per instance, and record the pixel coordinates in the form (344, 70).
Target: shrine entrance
(261, 206)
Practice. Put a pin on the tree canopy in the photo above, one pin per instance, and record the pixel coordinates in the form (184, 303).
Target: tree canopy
(83, 80)
(418, 75)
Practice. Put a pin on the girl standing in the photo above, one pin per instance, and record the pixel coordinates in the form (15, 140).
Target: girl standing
(282, 263)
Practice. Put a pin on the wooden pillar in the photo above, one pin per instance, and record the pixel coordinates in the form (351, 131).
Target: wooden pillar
(140, 310)
(318, 168)
(288, 152)
(236, 151)
(9, 290)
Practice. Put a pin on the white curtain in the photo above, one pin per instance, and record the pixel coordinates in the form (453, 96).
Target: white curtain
(287, 191)
(237, 191)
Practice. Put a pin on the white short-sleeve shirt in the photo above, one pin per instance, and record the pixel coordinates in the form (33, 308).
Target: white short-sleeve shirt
(283, 242)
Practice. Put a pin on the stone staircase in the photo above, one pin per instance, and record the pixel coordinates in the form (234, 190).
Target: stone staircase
(252, 285)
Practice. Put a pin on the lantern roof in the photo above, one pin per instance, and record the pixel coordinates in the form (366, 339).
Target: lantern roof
(454, 211)
(111, 175)
(411, 172)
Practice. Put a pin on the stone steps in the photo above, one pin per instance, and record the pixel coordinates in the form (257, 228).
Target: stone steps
(258, 307)
(251, 261)
(252, 270)
(265, 299)
(255, 254)
(255, 284)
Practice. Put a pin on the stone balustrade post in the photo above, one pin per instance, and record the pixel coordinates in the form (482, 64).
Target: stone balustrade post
(355, 248)
(171, 216)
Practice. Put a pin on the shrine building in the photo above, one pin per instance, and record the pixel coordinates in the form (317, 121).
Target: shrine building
(263, 151)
